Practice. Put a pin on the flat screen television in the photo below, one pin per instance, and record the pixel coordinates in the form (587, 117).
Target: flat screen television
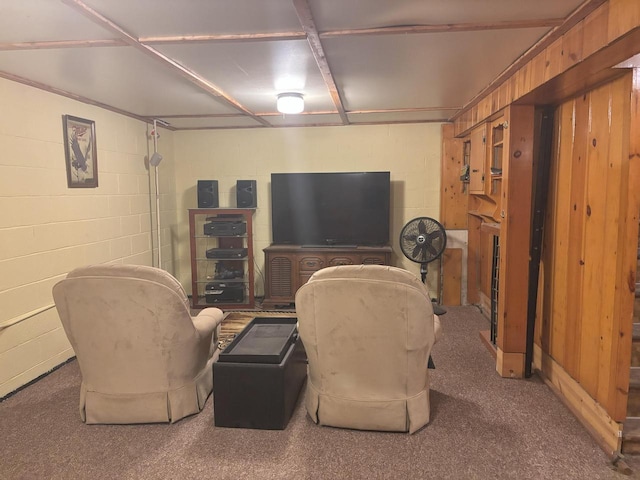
(330, 209)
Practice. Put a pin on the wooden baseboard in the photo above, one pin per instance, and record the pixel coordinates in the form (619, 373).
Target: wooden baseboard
(485, 336)
(606, 431)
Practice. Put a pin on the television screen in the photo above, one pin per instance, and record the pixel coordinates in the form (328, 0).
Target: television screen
(323, 209)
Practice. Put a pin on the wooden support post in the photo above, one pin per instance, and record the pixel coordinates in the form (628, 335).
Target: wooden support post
(517, 177)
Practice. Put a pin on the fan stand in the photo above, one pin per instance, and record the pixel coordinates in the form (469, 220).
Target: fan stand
(423, 272)
(437, 309)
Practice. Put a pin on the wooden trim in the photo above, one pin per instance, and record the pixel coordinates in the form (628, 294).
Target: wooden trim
(606, 432)
(303, 11)
(129, 39)
(446, 28)
(61, 44)
(223, 38)
(485, 336)
(404, 110)
(306, 125)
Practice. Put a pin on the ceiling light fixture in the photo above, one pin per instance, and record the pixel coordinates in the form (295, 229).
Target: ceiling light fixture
(290, 103)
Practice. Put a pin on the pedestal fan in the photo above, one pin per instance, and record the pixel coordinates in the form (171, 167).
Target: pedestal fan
(423, 240)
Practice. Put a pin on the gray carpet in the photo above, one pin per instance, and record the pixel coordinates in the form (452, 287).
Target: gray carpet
(482, 427)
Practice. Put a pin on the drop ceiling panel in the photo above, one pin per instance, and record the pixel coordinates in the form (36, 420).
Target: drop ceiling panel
(373, 72)
(339, 15)
(45, 20)
(254, 73)
(421, 70)
(145, 18)
(118, 76)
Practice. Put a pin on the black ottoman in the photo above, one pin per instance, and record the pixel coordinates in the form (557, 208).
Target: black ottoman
(258, 377)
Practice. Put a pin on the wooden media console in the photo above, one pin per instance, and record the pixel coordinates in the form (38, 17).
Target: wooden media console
(288, 267)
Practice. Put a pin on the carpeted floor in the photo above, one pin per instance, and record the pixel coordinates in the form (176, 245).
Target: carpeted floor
(482, 427)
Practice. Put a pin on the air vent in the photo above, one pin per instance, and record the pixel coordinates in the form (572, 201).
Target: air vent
(280, 277)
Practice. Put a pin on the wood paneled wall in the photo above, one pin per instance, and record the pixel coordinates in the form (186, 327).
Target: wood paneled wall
(454, 197)
(564, 62)
(584, 324)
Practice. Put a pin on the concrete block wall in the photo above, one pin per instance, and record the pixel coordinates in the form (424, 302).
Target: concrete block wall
(47, 229)
(410, 152)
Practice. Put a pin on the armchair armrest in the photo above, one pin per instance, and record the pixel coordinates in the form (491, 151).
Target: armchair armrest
(207, 320)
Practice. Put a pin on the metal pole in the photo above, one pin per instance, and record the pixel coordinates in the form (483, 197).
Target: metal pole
(159, 236)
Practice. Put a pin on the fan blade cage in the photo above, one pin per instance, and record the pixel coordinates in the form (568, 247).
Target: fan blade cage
(423, 240)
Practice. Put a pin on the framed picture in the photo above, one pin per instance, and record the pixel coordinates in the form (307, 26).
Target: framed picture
(80, 152)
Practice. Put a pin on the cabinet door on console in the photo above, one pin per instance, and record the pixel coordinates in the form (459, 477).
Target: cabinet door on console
(374, 260)
(307, 266)
(310, 264)
(280, 276)
(343, 260)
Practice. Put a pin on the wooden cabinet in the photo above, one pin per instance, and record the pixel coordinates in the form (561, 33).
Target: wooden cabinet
(221, 258)
(499, 232)
(478, 159)
(288, 267)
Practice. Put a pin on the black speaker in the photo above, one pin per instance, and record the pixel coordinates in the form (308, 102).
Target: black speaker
(246, 194)
(207, 194)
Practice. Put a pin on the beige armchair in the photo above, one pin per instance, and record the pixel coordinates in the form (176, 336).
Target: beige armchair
(142, 357)
(368, 332)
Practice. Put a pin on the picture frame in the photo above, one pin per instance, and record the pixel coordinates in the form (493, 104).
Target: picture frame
(80, 152)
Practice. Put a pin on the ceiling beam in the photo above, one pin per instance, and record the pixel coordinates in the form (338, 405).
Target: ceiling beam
(446, 28)
(405, 110)
(303, 11)
(61, 44)
(328, 112)
(219, 38)
(279, 36)
(194, 78)
(290, 125)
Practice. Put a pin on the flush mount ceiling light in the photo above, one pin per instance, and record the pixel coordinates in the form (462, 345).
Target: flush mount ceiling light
(290, 103)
